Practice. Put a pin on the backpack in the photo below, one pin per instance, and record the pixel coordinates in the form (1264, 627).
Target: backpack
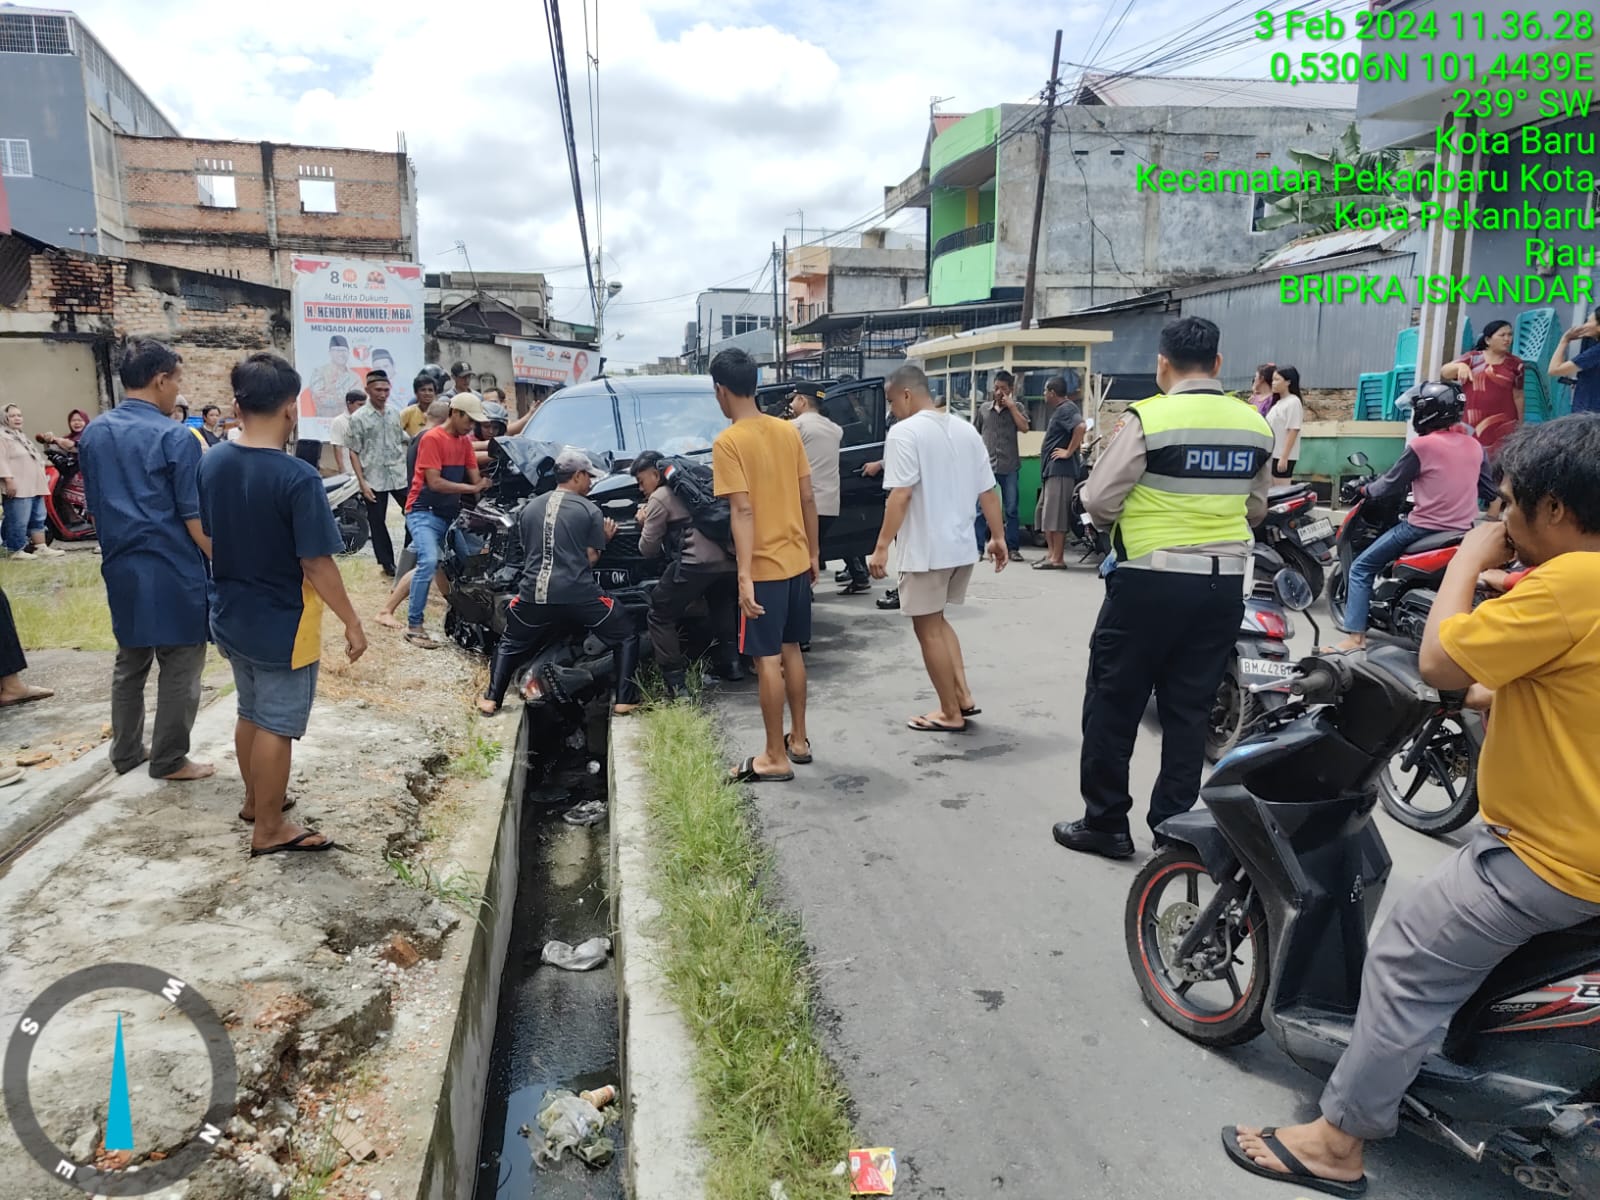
(709, 513)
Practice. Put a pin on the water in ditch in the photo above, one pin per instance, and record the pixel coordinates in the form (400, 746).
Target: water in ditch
(555, 1029)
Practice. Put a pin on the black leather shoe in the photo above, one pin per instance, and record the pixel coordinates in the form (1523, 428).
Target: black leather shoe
(855, 589)
(890, 599)
(1076, 835)
(841, 576)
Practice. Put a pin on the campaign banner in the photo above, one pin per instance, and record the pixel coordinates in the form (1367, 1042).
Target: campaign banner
(350, 317)
(543, 363)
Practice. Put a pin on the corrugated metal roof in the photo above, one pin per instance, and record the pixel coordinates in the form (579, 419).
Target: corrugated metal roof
(1194, 91)
(1328, 245)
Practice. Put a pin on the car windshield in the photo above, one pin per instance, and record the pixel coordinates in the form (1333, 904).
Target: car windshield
(671, 422)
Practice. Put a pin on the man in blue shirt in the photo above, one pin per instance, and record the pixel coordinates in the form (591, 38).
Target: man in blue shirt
(1583, 368)
(139, 472)
(274, 541)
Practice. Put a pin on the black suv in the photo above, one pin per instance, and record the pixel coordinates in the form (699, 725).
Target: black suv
(678, 414)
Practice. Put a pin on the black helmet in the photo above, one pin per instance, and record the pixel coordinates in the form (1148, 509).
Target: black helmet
(1436, 404)
(436, 373)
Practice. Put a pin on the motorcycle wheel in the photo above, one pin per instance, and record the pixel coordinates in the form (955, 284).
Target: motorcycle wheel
(1338, 593)
(352, 523)
(1441, 794)
(1210, 1005)
(1233, 710)
(1307, 566)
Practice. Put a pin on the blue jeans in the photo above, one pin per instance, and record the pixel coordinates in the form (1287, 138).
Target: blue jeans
(1007, 483)
(427, 535)
(1365, 569)
(24, 515)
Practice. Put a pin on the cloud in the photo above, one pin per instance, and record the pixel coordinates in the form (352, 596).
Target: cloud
(713, 131)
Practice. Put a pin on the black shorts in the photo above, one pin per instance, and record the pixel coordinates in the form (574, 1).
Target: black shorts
(786, 622)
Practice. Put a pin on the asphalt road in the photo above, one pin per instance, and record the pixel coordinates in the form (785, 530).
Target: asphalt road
(977, 995)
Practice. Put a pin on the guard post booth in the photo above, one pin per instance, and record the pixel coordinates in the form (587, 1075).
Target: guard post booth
(961, 370)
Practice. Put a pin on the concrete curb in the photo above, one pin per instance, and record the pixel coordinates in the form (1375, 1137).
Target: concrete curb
(665, 1158)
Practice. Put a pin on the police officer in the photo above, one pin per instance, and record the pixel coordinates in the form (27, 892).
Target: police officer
(1180, 485)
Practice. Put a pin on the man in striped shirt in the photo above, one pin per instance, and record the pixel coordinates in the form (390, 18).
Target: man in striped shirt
(563, 535)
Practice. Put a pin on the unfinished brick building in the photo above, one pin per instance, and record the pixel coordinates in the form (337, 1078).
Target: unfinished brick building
(64, 316)
(243, 209)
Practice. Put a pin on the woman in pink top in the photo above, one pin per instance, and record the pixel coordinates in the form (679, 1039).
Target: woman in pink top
(1448, 475)
(1492, 378)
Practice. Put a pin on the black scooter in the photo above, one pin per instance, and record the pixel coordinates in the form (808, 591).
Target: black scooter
(1304, 540)
(1258, 918)
(1256, 679)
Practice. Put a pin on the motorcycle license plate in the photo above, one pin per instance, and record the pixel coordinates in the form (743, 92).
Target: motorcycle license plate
(1315, 531)
(1266, 667)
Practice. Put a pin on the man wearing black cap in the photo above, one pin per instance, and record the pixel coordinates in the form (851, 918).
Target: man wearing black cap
(461, 376)
(333, 379)
(564, 534)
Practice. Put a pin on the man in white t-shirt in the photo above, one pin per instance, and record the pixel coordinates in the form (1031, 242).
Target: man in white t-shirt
(935, 469)
(339, 431)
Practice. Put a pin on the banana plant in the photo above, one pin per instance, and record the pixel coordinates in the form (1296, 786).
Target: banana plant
(1319, 209)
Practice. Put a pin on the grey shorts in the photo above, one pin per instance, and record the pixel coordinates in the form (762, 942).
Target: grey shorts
(277, 699)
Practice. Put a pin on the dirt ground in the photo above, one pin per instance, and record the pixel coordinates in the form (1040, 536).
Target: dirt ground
(324, 968)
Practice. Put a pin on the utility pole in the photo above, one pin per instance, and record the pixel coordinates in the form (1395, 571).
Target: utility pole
(777, 317)
(786, 303)
(1038, 198)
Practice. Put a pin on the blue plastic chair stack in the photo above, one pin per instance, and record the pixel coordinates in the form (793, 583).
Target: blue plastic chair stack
(1370, 390)
(1537, 332)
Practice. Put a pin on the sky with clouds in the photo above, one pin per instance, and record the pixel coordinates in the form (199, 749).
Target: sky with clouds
(714, 130)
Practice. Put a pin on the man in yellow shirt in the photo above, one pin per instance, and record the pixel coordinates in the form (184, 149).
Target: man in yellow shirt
(759, 464)
(1534, 864)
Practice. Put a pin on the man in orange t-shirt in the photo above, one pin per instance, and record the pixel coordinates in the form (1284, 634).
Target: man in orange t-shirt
(760, 465)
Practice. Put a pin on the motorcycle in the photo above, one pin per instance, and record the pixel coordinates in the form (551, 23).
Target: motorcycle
(66, 511)
(1304, 540)
(1091, 543)
(1394, 610)
(349, 510)
(1255, 918)
(1256, 681)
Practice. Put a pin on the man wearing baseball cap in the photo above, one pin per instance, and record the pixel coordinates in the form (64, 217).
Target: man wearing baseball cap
(564, 534)
(447, 469)
(461, 374)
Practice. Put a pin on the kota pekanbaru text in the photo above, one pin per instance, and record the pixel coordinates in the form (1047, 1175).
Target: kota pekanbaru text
(1435, 289)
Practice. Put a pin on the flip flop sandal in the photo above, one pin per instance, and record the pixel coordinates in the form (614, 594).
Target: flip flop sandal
(804, 760)
(974, 711)
(287, 805)
(1296, 1174)
(1044, 564)
(422, 641)
(747, 773)
(41, 694)
(923, 725)
(295, 844)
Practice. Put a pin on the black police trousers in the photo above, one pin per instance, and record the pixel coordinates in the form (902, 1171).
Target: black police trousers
(680, 586)
(530, 627)
(1161, 632)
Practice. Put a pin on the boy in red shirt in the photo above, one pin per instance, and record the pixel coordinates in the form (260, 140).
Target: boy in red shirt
(447, 469)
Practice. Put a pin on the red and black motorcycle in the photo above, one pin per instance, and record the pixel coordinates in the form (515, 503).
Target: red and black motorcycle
(66, 508)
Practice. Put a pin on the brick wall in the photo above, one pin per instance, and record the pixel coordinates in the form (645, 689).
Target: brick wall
(254, 240)
(211, 321)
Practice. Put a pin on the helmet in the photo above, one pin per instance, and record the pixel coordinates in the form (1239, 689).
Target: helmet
(496, 412)
(436, 373)
(1436, 404)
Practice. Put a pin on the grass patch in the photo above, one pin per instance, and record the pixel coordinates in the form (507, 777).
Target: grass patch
(314, 1171)
(478, 759)
(737, 967)
(59, 604)
(458, 887)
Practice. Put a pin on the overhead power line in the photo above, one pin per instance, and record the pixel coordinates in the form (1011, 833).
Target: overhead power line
(558, 58)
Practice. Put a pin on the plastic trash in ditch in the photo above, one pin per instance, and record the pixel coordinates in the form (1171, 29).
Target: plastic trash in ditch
(590, 812)
(575, 1123)
(585, 956)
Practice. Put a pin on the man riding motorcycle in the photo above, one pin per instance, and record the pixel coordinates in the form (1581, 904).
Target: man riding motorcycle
(1534, 865)
(1447, 474)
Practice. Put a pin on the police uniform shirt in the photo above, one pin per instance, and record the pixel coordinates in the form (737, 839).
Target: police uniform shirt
(1121, 464)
